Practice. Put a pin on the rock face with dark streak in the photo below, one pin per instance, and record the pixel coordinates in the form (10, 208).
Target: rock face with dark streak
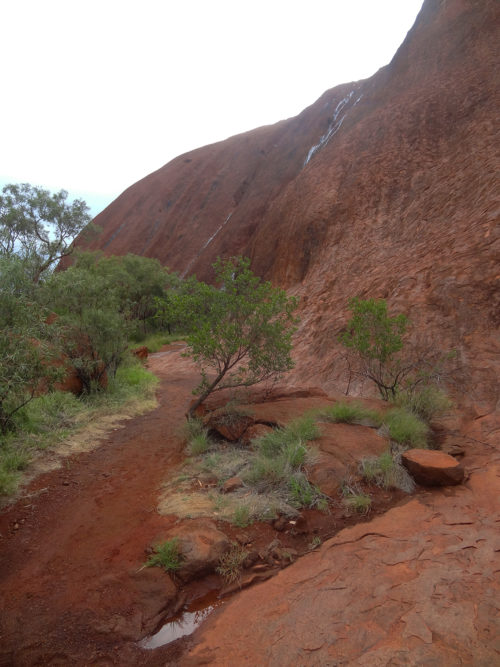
(382, 188)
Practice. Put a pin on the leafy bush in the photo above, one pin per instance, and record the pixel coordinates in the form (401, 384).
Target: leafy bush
(376, 338)
(243, 330)
(406, 428)
(166, 555)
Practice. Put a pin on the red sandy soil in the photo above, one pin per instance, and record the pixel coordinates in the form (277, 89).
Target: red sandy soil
(81, 532)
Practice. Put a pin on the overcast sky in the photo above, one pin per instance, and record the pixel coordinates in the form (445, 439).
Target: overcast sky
(99, 93)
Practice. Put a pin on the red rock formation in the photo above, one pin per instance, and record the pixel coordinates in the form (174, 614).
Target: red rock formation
(383, 188)
(432, 468)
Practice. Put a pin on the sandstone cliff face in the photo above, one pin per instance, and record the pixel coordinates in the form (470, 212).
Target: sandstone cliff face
(383, 187)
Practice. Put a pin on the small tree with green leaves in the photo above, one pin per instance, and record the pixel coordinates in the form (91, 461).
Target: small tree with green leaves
(241, 332)
(25, 350)
(39, 226)
(377, 338)
(93, 333)
(411, 377)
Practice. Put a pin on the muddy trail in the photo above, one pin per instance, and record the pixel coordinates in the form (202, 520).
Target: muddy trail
(71, 544)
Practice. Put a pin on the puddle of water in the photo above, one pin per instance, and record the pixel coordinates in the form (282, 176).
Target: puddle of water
(184, 623)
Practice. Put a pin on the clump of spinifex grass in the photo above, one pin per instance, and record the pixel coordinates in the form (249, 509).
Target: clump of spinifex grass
(166, 555)
(231, 563)
(406, 428)
(196, 436)
(350, 413)
(279, 461)
(387, 472)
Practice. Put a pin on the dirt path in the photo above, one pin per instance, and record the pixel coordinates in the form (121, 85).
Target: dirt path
(67, 593)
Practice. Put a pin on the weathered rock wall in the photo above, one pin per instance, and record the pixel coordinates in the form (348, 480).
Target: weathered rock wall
(383, 188)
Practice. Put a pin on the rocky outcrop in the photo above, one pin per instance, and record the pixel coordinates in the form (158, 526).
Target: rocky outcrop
(383, 188)
(201, 545)
(415, 586)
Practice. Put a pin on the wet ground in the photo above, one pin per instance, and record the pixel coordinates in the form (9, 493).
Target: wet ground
(72, 587)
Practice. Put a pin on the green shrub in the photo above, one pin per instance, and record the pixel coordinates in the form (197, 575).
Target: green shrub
(166, 555)
(350, 413)
(406, 428)
(231, 563)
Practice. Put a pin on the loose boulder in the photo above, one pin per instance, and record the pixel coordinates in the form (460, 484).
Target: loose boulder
(201, 546)
(141, 352)
(432, 468)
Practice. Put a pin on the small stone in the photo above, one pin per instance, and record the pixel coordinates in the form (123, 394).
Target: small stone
(16, 526)
(232, 484)
(65, 482)
(280, 524)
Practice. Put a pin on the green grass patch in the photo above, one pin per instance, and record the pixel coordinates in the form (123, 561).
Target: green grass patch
(290, 440)
(279, 459)
(50, 418)
(406, 428)
(425, 403)
(358, 502)
(241, 517)
(350, 413)
(196, 436)
(155, 341)
(387, 472)
(166, 555)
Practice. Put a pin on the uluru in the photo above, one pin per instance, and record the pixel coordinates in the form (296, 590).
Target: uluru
(383, 188)
(171, 536)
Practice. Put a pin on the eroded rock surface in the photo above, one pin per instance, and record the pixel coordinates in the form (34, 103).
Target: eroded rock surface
(384, 187)
(418, 585)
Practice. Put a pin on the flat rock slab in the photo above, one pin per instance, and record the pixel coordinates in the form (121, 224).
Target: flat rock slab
(432, 468)
(416, 586)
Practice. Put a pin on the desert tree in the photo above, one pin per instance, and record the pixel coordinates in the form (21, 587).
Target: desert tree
(241, 329)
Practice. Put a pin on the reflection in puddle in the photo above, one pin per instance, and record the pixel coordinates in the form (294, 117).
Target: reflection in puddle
(183, 623)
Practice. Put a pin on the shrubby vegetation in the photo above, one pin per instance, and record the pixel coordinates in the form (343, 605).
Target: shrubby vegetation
(243, 329)
(374, 340)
